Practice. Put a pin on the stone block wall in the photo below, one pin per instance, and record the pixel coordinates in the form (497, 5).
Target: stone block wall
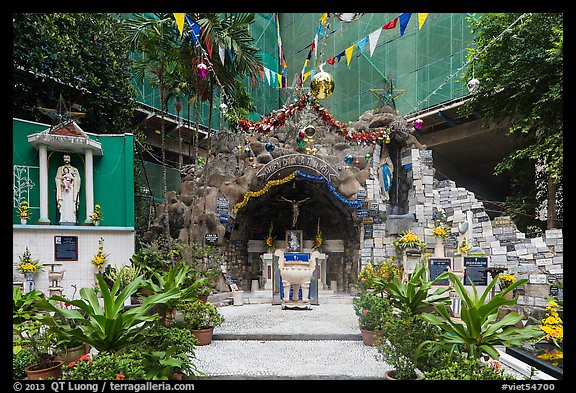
(539, 259)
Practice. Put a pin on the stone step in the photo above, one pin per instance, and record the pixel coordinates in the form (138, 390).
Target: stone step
(288, 337)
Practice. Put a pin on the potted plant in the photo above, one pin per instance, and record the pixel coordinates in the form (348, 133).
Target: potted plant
(201, 318)
(405, 330)
(29, 267)
(269, 239)
(23, 212)
(372, 311)
(478, 331)
(411, 247)
(504, 281)
(101, 257)
(175, 279)
(31, 332)
(96, 216)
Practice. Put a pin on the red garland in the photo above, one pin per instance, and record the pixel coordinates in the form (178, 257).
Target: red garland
(269, 124)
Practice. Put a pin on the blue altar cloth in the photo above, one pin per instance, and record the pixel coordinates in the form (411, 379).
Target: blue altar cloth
(297, 256)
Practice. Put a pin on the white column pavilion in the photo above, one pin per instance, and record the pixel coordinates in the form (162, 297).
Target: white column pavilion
(66, 137)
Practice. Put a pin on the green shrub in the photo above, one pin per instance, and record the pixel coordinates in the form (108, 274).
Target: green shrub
(403, 334)
(20, 361)
(462, 367)
(372, 310)
(106, 366)
(159, 336)
(201, 315)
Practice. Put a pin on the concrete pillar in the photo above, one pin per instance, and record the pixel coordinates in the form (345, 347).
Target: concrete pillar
(89, 176)
(43, 161)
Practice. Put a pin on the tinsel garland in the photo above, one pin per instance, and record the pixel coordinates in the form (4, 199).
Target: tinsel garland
(264, 190)
(353, 203)
(270, 124)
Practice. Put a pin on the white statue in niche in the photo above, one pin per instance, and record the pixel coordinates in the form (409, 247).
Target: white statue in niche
(67, 191)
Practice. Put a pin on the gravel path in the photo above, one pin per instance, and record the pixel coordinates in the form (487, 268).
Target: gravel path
(270, 352)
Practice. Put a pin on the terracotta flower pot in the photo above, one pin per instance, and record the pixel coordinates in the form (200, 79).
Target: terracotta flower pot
(204, 336)
(391, 374)
(68, 355)
(53, 372)
(368, 337)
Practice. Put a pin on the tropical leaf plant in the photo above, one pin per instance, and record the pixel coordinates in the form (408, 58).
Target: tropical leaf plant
(480, 331)
(108, 327)
(415, 294)
(174, 280)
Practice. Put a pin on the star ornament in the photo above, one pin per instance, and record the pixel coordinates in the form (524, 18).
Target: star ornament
(60, 114)
(387, 95)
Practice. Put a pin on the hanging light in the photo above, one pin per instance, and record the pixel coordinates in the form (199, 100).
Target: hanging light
(202, 70)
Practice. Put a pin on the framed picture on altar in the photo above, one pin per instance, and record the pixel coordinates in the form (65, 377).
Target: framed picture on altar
(293, 240)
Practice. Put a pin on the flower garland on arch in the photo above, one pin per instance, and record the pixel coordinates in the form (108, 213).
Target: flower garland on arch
(270, 124)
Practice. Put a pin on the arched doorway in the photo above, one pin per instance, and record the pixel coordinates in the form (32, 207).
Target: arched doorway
(320, 208)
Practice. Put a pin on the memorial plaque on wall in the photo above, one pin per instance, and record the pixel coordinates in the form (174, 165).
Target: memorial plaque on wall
(368, 231)
(65, 248)
(211, 238)
(437, 266)
(475, 271)
(222, 205)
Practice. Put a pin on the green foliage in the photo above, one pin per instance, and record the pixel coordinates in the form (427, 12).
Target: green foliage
(163, 364)
(29, 327)
(174, 281)
(157, 256)
(462, 367)
(109, 327)
(79, 55)
(402, 334)
(201, 315)
(159, 336)
(414, 295)
(107, 366)
(372, 310)
(521, 85)
(20, 361)
(479, 333)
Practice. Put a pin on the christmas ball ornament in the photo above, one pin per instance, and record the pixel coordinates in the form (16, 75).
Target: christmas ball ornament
(357, 162)
(368, 156)
(250, 159)
(239, 147)
(223, 108)
(387, 139)
(473, 85)
(418, 123)
(248, 151)
(322, 85)
(270, 147)
(310, 131)
(349, 159)
(339, 169)
(202, 70)
(300, 142)
(349, 17)
(301, 135)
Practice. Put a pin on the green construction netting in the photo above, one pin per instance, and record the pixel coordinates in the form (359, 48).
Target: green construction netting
(425, 64)
(153, 179)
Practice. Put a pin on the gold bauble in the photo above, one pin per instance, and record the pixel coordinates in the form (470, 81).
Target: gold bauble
(322, 85)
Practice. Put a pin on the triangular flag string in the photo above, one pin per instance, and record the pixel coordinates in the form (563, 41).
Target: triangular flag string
(421, 19)
(404, 18)
(180, 21)
(373, 38)
(349, 51)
